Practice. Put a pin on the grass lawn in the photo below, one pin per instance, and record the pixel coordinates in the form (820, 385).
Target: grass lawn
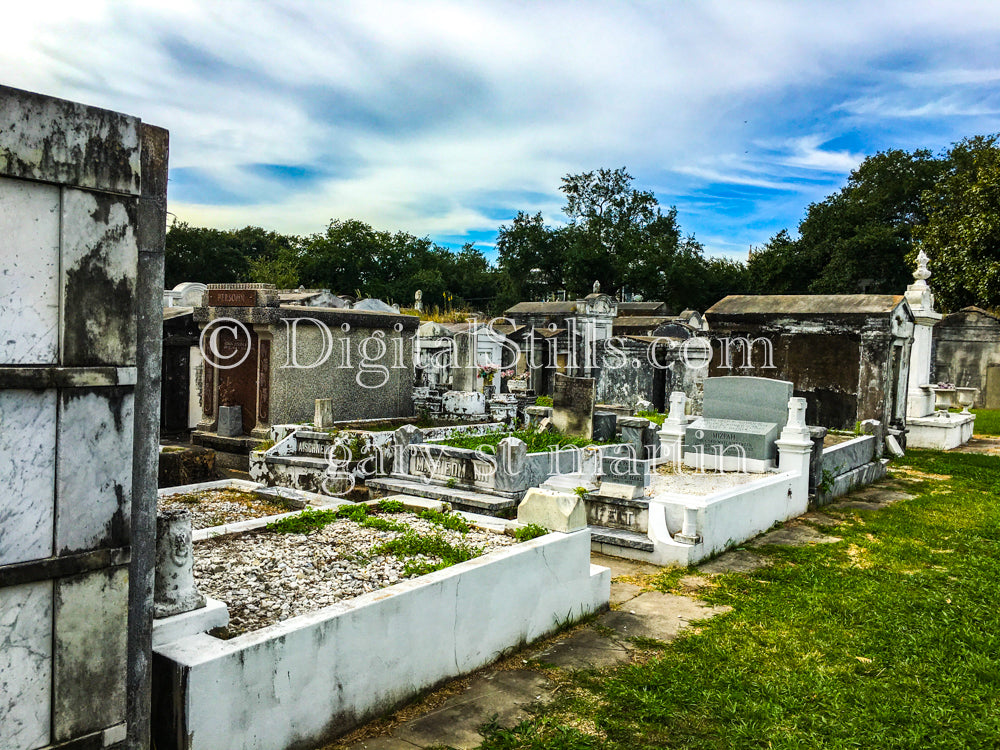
(987, 421)
(889, 638)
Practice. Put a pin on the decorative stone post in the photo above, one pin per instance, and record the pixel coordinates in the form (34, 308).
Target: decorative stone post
(402, 439)
(672, 431)
(174, 591)
(512, 460)
(919, 398)
(794, 451)
(689, 530)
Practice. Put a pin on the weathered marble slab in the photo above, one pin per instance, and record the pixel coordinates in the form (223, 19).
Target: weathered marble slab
(68, 143)
(99, 266)
(631, 471)
(25, 665)
(29, 277)
(90, 652)
(439, 464)
(573, 405)
(27, 474)
(94, 466)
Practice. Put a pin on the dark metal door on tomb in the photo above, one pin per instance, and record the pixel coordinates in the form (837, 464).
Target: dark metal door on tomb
(238, 385)
(176, 386)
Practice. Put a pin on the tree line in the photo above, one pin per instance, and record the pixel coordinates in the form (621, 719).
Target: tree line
(861, 239)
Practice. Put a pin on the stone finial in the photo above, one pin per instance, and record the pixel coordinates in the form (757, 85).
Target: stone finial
(174, 591)
(597, 287)
(797, 413)
(922, 273)
(678, 405)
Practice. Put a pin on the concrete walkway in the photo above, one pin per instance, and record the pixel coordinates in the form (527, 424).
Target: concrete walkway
(503, 692)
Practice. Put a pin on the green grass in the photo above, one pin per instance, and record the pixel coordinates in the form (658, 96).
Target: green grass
(987, 421)
(411, 544)
(653, 416)
(889, 638)
(310, 520)
(537, 442)
(451, 521)
(543, 401)
(529, 532)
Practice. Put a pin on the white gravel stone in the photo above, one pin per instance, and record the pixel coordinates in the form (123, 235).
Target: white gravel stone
(218, 507)
(266, 576)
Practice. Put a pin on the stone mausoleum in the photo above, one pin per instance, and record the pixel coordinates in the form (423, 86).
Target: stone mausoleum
(847, 354)
(966, 353)
(274, 361)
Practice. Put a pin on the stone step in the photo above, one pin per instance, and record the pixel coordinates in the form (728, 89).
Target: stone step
(620, 538)
(467, 500)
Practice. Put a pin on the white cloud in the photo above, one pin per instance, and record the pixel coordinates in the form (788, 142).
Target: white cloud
(420, 115)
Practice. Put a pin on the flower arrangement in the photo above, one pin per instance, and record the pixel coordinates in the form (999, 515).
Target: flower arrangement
(488, 370)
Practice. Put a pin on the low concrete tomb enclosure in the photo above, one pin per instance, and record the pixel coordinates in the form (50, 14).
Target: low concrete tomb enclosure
(312, 677)
(318, 461)
(476, 481)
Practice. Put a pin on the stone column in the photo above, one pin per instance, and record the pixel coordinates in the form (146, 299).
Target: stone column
(512, 459)
(672, 431)
(402, 439)
(463, 367)
(794, 451)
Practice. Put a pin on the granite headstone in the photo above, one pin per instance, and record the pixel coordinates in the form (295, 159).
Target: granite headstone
(740, 415)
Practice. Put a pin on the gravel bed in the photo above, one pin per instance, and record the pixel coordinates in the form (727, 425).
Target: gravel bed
(688, 481)
(217, 507)
(266, 577)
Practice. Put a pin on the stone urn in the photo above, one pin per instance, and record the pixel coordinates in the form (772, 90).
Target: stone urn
(966, 398)
(944, 398)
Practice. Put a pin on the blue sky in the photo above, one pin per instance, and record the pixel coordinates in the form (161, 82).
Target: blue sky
(444, 119)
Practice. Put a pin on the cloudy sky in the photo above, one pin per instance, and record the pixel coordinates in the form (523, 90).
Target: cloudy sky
(444, 119)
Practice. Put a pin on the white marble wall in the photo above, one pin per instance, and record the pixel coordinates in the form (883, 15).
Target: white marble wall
(27, 474)
(29, 277)
(94, 468)
(25, 665)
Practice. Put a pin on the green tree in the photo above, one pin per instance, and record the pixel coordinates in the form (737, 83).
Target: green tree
(962, 231)
(782, 266)
(856, 240)
(531, 257)
(617, 235)
(215, 256)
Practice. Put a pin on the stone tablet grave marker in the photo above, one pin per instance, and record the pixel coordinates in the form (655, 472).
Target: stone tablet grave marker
(742, 417)
(573, 406)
